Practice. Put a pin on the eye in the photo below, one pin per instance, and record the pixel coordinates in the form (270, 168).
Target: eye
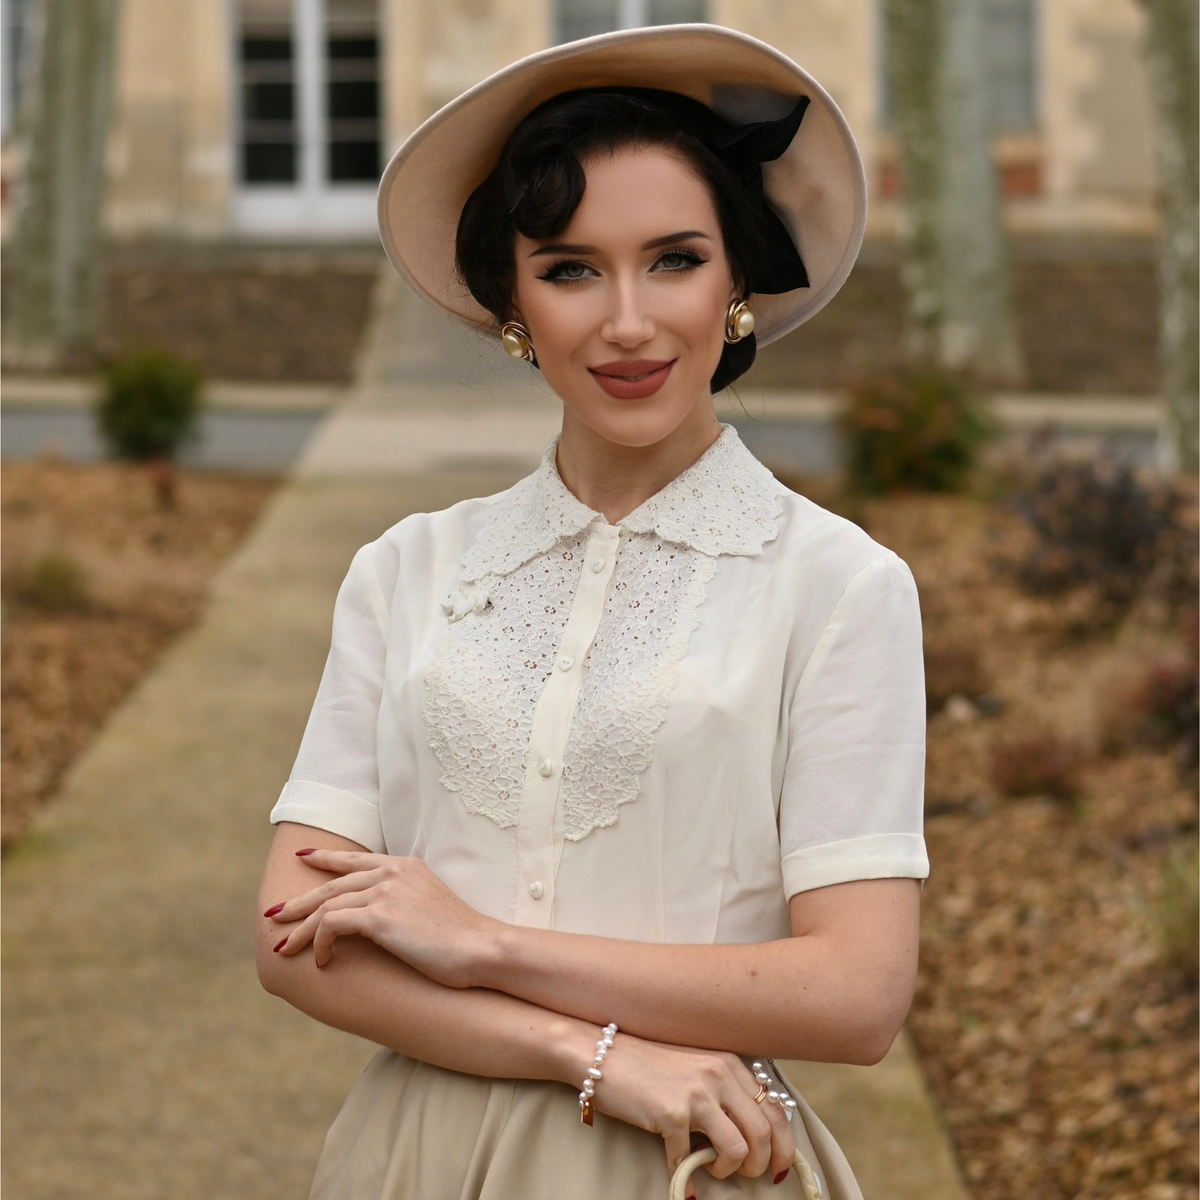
(569, 271)
(676, 261)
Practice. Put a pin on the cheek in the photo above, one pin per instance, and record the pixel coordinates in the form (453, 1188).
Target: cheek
(697, 313)
(700, 300)
(557, 319)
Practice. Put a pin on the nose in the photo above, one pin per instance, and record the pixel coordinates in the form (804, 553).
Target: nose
(628, 325)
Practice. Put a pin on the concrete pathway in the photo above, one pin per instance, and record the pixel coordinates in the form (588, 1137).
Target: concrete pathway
(142, 1061)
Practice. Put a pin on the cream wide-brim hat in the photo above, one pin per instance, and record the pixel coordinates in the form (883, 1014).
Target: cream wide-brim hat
(818, 187)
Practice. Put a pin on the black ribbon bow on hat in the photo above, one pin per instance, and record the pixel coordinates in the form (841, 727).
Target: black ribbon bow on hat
(743, 149)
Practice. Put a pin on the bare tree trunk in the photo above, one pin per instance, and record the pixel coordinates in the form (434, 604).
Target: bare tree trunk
(955, 270)
(53, 259)
(978, 330)
(1171, 51)
(911, 33)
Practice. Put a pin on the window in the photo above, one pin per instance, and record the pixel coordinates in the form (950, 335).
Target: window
(353, 91)
(586, 18)
(1011, 72)
(309, 92)
(269, 134)
(16, 25)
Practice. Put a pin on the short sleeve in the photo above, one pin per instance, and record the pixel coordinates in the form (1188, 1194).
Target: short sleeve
(334, 783)
(852, 795)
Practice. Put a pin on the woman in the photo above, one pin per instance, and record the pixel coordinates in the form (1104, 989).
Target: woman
(639, 741)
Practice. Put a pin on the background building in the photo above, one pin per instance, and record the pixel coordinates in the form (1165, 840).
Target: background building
(272, 118)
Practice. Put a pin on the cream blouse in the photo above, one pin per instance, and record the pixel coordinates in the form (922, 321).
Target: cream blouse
(659, 730)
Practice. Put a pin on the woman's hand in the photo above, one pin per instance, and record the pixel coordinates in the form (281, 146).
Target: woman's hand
(398, 903)
(675, 1092)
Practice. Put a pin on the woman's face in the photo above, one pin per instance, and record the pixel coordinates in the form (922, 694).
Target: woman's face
(626, 307)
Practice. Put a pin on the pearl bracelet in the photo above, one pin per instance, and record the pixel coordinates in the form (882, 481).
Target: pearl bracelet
(594, 1074)
(768, 1089)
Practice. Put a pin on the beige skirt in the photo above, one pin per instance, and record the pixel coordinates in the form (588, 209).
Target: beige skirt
(409, 1131)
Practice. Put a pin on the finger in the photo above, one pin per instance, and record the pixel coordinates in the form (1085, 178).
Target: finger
(341, 922)
(754, 1126)
(299, 907)
(783, 1145)
(726, 1137)
(306, 931)
(341, 862)
(678, 1145)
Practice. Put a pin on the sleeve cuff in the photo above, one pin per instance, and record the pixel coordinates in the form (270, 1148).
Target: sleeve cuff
(882, 856)
(329, 808)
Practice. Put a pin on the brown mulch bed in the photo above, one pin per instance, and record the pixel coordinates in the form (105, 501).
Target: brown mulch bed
(97, 579)
(1059, 1040)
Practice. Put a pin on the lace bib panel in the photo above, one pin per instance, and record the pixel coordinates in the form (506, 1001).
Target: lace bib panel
(516, 588)
(488, 674)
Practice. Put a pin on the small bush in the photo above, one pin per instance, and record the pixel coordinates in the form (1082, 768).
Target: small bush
(149, 405)
(56, 583)
(1096, 525)
(916, 431)
(1179, 910)
(1038, 766)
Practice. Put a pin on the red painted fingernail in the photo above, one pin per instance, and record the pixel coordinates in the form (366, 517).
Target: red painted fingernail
(281, 944)
(274, 909)
(302, 853)
(780, 1177)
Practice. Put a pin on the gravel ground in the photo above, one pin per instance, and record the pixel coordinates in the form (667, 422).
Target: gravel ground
(97, 580)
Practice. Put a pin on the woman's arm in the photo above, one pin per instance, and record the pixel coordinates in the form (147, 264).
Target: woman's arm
(396, 1006)
(370, 992)
(837, 991)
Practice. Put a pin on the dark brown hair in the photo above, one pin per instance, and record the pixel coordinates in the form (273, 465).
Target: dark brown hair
(539, 182)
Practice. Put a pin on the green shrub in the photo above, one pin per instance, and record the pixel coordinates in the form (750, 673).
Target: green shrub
(915, 431)
(149, 406)
(56, 583)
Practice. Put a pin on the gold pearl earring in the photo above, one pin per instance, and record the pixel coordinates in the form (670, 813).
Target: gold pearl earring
(739, 321)
(514, 337)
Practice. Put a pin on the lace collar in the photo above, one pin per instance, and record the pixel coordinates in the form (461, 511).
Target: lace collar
(726, 502)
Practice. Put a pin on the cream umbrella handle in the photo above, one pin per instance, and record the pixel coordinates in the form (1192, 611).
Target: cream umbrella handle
(679, 1181)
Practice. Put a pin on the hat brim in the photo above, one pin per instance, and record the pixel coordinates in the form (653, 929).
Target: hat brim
(818, 187)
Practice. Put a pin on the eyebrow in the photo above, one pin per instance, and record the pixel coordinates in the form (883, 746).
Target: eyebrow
(579, 248)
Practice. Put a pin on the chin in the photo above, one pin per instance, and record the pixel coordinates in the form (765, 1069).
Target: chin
(634, 423)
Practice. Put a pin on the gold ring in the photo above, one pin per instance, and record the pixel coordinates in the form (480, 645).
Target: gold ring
(762, 1093)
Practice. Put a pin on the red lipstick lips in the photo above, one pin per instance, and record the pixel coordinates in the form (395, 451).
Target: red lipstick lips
(632, 379)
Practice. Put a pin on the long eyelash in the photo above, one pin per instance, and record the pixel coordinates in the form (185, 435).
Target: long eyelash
(694, 257)
(554, 271)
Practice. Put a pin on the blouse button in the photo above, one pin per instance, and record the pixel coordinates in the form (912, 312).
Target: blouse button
(536, 890)
(597, 565)
(546, 769)
(566, 663)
